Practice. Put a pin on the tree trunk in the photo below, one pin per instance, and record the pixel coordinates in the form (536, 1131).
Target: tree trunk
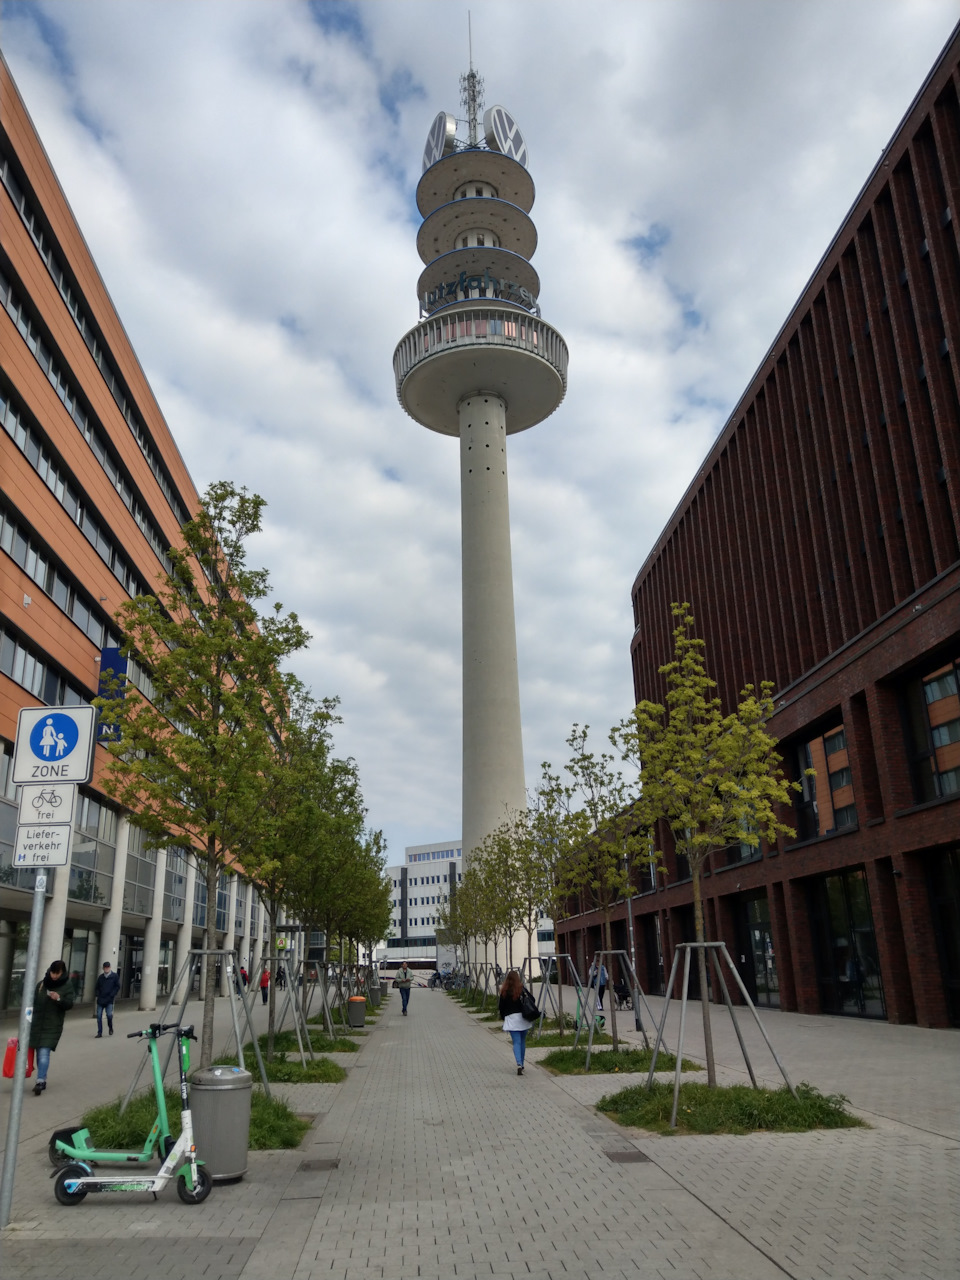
(272, 989)
(209, 943)
(702, 969)
(556, 965)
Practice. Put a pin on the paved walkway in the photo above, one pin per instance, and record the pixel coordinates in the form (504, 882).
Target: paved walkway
(434, 1160)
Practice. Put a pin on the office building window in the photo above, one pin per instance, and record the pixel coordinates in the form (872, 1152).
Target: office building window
(83, 419)
(223, 901)
(175, 886)
(70, 293)
(200, 904)
(93, 851)
(32, 670)
(33, 444)
(23, 546)
(931, 706)
(826, 801)
(141, 874)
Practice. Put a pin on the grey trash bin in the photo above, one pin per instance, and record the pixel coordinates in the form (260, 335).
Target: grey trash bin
(357, 1010)
(374, 996)
(220, 1106)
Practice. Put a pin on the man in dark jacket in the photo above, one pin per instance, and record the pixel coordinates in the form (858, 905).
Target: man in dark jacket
(107, 990)
(51, 1000)
(404, 980)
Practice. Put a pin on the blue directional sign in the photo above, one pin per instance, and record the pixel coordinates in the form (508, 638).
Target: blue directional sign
(54, 744)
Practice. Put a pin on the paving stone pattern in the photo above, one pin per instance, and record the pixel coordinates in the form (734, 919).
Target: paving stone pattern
(434, 1160)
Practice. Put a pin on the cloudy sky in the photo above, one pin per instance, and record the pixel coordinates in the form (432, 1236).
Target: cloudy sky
(244, 173)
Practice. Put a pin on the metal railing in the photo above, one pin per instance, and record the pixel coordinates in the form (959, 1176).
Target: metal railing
(482, 326)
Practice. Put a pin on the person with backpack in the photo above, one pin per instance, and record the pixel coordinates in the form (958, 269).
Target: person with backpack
(513, 999)
(601, 985)
(106, 990)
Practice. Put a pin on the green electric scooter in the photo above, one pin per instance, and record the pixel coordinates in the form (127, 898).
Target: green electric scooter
(73, 1155)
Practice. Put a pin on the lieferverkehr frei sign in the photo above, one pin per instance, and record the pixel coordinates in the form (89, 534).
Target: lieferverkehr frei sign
(42, 846)
(54, 744)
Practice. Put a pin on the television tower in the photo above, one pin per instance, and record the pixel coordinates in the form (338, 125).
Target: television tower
(481, 365)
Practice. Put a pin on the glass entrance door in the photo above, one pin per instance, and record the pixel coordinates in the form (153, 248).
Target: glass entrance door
(758, 961)
(848, 970)
(944, 874)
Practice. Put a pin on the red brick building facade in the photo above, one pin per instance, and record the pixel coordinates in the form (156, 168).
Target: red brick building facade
(819, 546)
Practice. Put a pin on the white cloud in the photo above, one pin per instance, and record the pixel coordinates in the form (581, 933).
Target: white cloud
(244, 175)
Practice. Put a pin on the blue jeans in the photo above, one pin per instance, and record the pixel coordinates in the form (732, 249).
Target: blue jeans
(43, 1063)
(101, 1010)
(519, 1039)
(404, 997)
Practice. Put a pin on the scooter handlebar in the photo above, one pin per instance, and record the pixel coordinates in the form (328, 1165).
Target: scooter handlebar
(158, 1028)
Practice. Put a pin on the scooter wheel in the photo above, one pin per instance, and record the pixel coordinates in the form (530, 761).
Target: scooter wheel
(200, 1191)
(62, 1189)
(57, 1157)
(166, 1146)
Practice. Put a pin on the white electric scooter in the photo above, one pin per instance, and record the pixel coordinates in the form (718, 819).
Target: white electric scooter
(76, 1179)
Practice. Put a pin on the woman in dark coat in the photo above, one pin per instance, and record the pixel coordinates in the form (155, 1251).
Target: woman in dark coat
(54, 996)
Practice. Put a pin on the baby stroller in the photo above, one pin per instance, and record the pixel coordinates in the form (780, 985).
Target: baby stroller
(622, 995)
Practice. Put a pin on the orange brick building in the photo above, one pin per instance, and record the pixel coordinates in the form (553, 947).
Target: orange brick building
(93, 490)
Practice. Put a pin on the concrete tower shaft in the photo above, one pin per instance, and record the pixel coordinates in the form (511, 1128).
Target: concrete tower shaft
(493, 776)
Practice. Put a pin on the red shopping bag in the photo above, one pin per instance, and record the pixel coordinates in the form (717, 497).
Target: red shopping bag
(10, 1059)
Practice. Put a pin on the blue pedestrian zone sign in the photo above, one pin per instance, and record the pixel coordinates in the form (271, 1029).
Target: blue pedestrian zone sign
(54, 744)
(54, 736)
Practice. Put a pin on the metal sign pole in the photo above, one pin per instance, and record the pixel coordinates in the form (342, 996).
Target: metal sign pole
(20, 1070)
(53, 752)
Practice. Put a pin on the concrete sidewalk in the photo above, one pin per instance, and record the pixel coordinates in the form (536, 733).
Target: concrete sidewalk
(435, 1160)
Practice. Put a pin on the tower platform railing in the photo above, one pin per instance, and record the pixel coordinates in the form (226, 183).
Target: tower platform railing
(483, 326)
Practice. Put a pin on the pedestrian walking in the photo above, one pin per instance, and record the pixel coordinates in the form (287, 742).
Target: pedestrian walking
(601, 985)
(106, 990)
(281, 977)
(511, 1005)
(404, 980)
(51, 1000)
(264, 985)
(244, 977)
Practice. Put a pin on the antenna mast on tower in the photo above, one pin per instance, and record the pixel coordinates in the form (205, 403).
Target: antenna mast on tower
(471, 92)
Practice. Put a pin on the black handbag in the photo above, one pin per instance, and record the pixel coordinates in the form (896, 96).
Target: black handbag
(528, 1006)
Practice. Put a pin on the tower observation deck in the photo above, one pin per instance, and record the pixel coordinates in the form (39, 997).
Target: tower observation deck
(481, 365)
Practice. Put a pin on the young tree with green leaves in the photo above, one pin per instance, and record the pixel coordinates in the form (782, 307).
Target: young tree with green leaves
(552, 834)
(321, 885)
(715, 780)
(187, 759)
(515, 876)
(604, 837)
(457, 918)
(292, 780)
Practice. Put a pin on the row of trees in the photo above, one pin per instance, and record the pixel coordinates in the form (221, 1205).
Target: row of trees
(217, 749)
(706, 779)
